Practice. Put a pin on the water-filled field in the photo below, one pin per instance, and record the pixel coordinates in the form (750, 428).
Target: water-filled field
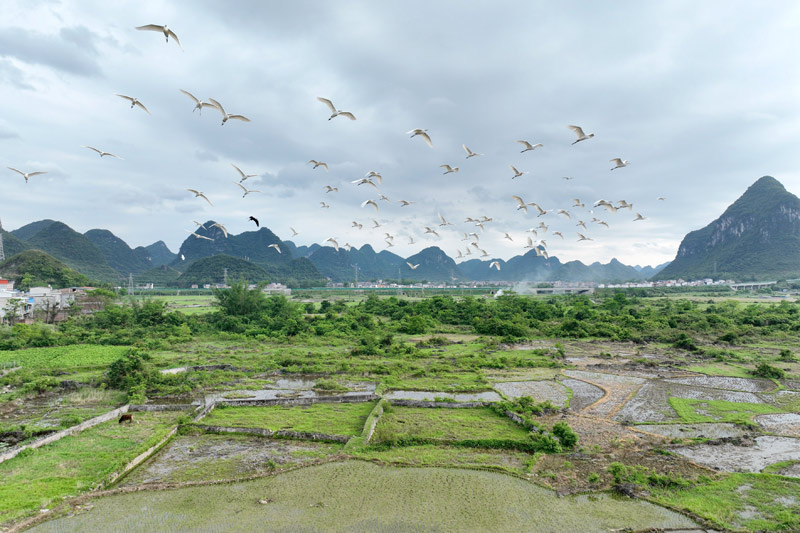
(360, 496)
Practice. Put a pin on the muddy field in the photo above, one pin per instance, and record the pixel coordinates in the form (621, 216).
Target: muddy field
(541, 391)
(751, 457)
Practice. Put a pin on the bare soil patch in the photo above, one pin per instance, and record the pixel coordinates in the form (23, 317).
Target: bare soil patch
(541, 391)
(730, 457)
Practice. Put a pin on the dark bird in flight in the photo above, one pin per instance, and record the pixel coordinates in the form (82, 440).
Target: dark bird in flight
(254, 219)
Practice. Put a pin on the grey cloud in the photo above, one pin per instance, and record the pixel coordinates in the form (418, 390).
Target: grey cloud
(12, 75)
(72, 51)
(205, 155)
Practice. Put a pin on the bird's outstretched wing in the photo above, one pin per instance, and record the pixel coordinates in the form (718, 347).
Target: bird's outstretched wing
(151, 27)
(172, 34)
(348, 114)
(239, 117)
(328, 103)
(190, 95)
(137, 102)
(577, 130)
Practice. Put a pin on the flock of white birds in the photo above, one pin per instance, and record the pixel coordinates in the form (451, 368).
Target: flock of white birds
(374, 179)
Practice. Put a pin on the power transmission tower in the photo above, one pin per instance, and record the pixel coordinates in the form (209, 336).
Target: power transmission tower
(225, 276)
(355, 268)
(130, 284)
(2, 253)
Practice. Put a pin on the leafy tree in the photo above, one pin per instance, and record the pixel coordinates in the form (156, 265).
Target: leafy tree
(239, 300)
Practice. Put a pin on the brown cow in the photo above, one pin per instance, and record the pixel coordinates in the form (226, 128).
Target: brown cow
(126, 418)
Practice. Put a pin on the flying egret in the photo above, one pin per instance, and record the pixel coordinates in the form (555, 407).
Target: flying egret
(347, 246)
(335, 112)
(373, 203)
(522, 205)
(163, 29)
(517, 173)
(357, 225)
(201, 195)
(567, 178)
(364, 181)
(412, 267)
(411, 240)
(242, 174)
(423, 134)
(559, 234)
(102, 153)
(200, 236)
(277, 248)
(376, 175)
(225, 114)
(639, 217)
(619, 163)
(26, 175)
(333, 242)
(576, 202)
(404, 203)
(429, 230)
(460, 255)
(323, 205)
(294, 231)
(444, 222)
(198, 104)
(529, 146)
(384, 197)
(319, 164)
(470, 153)
(448, 169)
(495, 264)
(661, 198)
(133, 102)
(328, 189)
(507, 236)
(580, 223)
(375, 224)
(199, 224)
(223, 228)
(583, 237)
(565, 213)
(245, 189)
(530, 243)
(577, 130)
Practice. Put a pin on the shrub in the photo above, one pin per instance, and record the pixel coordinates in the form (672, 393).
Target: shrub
(768, 371)
(129, 370)
(565, 434)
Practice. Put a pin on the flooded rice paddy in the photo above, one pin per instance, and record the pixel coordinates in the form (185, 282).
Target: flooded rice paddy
(541, 391)
(360, 496)
(430, 396)
(728, 457)
(695, 431)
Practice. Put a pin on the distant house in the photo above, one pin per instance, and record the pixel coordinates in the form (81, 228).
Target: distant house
(277, 288)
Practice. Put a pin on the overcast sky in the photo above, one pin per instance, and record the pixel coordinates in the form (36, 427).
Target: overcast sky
(703, 98)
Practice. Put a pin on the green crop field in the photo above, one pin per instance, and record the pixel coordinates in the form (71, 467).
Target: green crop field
(400, 423)
(698, 411)
(328, 418)
(66, 357)
(75, 464)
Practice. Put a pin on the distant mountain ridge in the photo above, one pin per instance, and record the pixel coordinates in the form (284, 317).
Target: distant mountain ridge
(102, 255)
(757, 237)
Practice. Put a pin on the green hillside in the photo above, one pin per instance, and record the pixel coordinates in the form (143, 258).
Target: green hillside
(42, 269)
(12, 245)
(75, 250)
(434, 265)
(158, 253)
(29, 230)
(119, 255)
(211, 270)
(757, 237)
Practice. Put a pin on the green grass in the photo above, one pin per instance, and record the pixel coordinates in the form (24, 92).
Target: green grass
(446, 424)
(721, 369)
(359, 496)
(432, 455)
(751, 501)
(65, 357)
(447, 382)
(698, 411)
(75, 464)
(329, 418)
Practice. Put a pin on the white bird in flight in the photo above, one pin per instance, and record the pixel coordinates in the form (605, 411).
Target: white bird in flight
(529, 146)
(328, 189)
(102, 153)
(444, 222)
(429, 230)
(412, 267)
(577, 130)
(245, 189)
(375, 224)
(335, 112)
(376, 175)
(225, 114)
(319, 164)
(619, 163)
(277, 248)
(449, 169)
(470, 153)
(323, 205)
(373, 203)
(198, 104)
(507, 236)
(333, 242)
(133, 102)
(294, 232)
(404, 203)
(517, 173)
(223, 228)
(423, 134)
(565, 213)
(559, 234)
(495, 264)
(199, 224)
(242, 174)
(26, 175)
(639, 217)
(163, 29)
(583, 237)
(200, 236)
(364, 181)
(201, 195)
